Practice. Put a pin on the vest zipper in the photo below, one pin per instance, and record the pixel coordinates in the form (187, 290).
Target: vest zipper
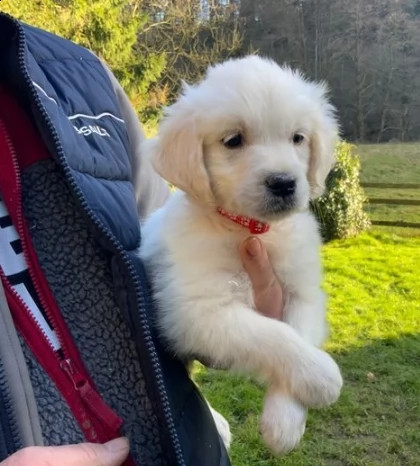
(68, 363)
(156, 384)
(90, 397)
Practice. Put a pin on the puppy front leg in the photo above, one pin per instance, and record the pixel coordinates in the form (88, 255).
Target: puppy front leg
(283, 419)
(237, 337)
(305, 312)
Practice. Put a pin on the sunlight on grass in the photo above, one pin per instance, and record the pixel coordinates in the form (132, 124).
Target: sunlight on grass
(374, 288)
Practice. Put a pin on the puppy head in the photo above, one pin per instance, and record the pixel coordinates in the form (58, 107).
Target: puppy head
(253, 138)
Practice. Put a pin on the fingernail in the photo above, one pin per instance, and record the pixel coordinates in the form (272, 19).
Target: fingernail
(117, 445)
(253, 247)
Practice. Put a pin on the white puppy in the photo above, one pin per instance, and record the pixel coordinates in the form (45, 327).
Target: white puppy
(248, 148)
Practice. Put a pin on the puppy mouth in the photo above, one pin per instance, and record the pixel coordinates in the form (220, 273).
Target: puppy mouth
(276, 207)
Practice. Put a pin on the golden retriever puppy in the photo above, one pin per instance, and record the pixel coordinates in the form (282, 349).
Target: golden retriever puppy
(248, 147)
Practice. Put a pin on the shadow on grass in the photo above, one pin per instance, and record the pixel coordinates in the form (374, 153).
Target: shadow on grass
(375, 422)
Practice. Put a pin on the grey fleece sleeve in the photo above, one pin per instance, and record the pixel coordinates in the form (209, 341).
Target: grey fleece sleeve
(151, 190)
(12, 363)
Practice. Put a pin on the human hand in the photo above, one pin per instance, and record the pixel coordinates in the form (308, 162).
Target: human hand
(112, 453)
(268, 294)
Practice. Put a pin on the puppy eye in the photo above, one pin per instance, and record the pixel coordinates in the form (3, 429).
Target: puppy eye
(233, 141)
(298, 138)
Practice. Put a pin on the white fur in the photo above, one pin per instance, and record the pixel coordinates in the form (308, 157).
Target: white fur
(204, 297)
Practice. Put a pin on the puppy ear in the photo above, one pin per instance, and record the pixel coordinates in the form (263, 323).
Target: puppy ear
(177, 155)
(323, 144)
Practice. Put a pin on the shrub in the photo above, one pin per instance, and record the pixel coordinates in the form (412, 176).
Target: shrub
(340, 209)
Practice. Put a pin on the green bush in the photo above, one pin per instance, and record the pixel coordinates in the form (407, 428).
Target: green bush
(340, 209)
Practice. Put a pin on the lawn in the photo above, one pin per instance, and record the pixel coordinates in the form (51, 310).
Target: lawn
(374, 289)
(392, 163)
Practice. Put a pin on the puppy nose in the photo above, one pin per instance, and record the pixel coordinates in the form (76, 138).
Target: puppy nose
(281, 184)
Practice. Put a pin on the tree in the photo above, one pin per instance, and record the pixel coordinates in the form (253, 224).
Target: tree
(192, 34)
(367, 50)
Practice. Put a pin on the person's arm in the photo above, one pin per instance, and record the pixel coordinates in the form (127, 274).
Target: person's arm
(151, 190)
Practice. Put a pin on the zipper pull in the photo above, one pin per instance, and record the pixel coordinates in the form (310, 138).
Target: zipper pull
(91, 397)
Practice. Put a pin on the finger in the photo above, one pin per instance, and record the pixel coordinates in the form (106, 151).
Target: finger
(113, 453)
(257, 264)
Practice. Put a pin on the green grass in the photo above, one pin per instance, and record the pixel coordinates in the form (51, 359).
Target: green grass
(392, 163)
(374, 289)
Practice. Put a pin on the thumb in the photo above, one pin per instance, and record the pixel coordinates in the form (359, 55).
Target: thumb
(112, 453)
(257, 265)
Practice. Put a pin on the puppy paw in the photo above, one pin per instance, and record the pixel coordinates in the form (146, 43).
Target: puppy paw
(222, 427)
(319, 383)
(282, 423)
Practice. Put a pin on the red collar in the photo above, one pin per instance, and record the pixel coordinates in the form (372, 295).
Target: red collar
(255, 226)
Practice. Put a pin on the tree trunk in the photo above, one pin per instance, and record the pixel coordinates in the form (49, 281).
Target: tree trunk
(385, 107)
